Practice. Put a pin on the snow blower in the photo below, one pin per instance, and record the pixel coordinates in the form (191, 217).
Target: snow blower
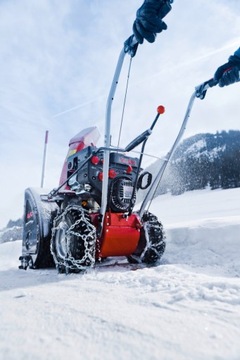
(90, 216)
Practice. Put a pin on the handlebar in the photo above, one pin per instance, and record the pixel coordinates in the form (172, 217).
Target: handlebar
(200, 90)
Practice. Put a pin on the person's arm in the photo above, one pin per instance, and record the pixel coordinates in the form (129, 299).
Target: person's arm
(149, 19)
(228, 73)
(237, 52)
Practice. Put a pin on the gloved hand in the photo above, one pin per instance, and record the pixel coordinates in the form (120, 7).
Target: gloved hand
(149, 19)
(228, 73)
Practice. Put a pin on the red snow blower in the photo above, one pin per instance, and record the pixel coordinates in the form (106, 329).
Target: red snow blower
(91, 216)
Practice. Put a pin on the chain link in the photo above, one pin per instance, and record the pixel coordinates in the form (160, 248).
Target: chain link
(84, 231)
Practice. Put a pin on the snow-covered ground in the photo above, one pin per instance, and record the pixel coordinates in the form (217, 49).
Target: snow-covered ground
(188, 307)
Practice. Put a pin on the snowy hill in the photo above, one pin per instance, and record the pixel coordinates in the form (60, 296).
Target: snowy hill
(187, 307)
(210, 145)
(12, 232)
(203, 160)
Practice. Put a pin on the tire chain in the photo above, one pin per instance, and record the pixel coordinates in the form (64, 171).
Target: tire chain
(153, 232)
(85, 231)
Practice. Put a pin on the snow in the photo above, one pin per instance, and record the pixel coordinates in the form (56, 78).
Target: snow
(187, 307)
(197, 146)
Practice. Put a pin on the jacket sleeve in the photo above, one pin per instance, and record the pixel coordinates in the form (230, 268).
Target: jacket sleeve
(237, 52)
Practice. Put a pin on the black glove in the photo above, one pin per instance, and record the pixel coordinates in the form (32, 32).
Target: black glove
(228, 73)
(149, 19)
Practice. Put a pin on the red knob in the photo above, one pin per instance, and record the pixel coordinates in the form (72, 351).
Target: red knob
(161, 109)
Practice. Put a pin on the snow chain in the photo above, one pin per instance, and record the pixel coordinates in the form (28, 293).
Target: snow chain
(155, 238)
(82, 232)
(152, 241)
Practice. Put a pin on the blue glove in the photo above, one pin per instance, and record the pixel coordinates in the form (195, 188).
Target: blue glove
(228, 73)
(149, 19)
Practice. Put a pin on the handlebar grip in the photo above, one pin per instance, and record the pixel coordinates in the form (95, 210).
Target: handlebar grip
(131, 45)
(212, 82)
(201, 89)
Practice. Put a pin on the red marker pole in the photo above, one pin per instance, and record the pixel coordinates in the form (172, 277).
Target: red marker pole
(44, 157)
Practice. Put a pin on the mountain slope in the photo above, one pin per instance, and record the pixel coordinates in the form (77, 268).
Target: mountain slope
(202, 160)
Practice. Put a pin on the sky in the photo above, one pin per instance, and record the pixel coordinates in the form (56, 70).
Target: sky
(56, 67)
(185, 307)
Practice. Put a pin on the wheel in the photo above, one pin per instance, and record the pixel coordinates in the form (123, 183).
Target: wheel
(37, 222)
(152, 243)
(73, 242)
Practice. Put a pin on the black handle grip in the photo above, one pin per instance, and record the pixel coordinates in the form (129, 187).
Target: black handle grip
(212, 82)
(131, 46)
(201, 89)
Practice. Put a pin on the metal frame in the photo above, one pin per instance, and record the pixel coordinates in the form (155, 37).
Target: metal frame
(199, 92)
(130, 47)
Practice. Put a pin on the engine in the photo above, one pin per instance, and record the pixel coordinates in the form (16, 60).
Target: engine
(87, 182)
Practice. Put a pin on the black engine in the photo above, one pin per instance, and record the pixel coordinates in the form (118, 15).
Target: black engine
(87, 182)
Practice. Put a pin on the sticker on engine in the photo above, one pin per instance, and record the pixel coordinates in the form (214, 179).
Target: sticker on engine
(127, 192)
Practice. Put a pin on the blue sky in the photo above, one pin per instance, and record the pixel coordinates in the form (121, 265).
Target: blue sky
(56, 66)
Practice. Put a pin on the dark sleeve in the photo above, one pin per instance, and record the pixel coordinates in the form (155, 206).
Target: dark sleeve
(237, 52)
